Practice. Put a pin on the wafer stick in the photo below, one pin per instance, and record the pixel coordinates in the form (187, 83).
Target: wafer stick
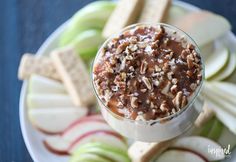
(74, 75)
(155, 11)
(31, 64)
(125, 13)
(143, 152)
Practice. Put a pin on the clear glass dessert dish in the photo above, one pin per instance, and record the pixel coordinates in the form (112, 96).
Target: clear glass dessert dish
(174, 122)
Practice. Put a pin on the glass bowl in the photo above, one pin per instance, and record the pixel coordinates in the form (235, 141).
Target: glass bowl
(160, 129)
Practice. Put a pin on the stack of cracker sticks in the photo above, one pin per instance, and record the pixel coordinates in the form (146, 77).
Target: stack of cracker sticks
(63, 65)
(133, 11)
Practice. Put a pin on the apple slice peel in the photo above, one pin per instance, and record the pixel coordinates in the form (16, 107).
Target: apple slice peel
(86, 129)
(180, 155)
(216, 62)
(200, 145)
(228, 70)
(55, 120)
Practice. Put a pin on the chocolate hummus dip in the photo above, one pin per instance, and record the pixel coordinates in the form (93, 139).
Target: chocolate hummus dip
(147, 73)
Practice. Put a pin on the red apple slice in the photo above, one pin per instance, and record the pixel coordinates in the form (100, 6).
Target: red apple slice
(57, 145)
(78, 131)
(200, 145)
(84, 126)
(55, 120)
(90, 118)
(103, 136)
(180, 156)
(49, 101)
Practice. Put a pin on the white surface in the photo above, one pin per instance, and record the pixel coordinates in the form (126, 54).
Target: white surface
(32, 137)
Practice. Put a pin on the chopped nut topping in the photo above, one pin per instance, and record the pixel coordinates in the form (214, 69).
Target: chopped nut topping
(140, 118)
(121, 47)
(157, 68)
(142, 45)
(193, 86)
(152, 105)
(184, 101)
(147, 82)
(143, 67)
(178, 99)
(165, 67)
(173, 111)
(174, 81)
(190, 61)
(133, 47)
(134, 102)
(147, 73)
(123, 76)
(148, 49)
(143, 90)
(166, 89)
(156, 82)
(173, 89)
(169, 75)
(164, 106)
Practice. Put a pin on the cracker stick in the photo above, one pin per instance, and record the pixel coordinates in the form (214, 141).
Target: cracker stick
(125, 13)
(143, 152)
(74, 75)
(31, 64)
(155, 11)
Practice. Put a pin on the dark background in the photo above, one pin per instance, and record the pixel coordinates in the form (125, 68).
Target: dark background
(24, 25)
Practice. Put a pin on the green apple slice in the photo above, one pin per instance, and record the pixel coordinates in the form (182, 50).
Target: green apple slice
(39, 84)
(205, 129)
(55, 120)
(48, 101)
(232, 77)
(104, 146)
(216, 130)
(88, 157)
(175, 13)
(207, 50)
(92, 16)
(225, 117)
(228, 70)
(226, 87)
(179, 156)
(111, 152)
(227, 138)
(87, 44)
(215, 62)
(227, 102)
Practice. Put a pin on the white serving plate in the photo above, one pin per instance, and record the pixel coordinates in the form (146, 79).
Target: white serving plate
(32, 137)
